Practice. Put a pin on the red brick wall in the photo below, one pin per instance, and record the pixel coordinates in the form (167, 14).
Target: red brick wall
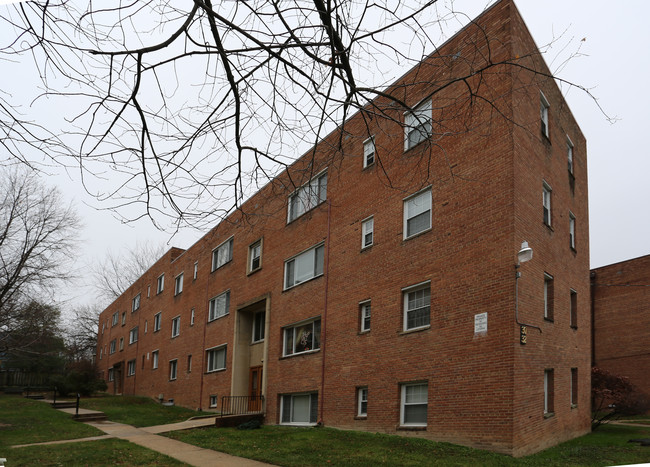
(484, 172)
(621, 309)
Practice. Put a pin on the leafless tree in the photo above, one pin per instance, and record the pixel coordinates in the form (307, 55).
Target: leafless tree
(189, 107)
(37, 240)
(112, 276)
(81, 332)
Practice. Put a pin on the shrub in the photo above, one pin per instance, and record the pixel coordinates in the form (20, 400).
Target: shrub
(613, 396)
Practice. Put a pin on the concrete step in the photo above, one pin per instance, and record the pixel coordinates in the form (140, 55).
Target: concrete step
(35, 396)
(64, 404)
(90, 417)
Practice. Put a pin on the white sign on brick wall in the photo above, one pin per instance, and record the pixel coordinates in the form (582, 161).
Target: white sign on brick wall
(480, 323)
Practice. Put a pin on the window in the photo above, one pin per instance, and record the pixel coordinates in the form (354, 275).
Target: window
(255, 256)
(213, 400)
(192, 317)
(299, 409)
(414, 404)
(178, 284)
(364, 309)
(572, 231)
(121, 344)
(115, 319)
(146, 325)
(148, 291)
(307, 197)
(569, 153)
(417, 125)
(123, 318)
(196, 270)
(417, 306)
(173, 367)
(113, 346)
(176, 326)
(222, 254)
(417, 213)
(156, 321)
(305, 266)
(367, 232)
(111, 375)
(130, 368)
(574, 309)
(103, 327)
(548, 297)
(133, 335)
(301, 338)
(369, 152)
(101, 352)
(574, 387)
(161, 284)
(548, 392)
(216, 359)
(258, 326)
(219, 306)
(136, 303)
(189, 364)
(544, 105)
(546, 203)
(154, 360)
(362, 402)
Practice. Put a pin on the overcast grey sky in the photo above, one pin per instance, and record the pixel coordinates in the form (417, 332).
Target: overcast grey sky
(613, 65)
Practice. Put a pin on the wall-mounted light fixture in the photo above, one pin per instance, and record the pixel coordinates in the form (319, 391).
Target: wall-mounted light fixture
(524, 254)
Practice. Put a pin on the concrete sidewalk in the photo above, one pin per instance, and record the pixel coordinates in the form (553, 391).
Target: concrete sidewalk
(183, 452)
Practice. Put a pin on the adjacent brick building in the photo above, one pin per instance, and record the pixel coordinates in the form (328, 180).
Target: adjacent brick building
(371, 286)
(621, 312)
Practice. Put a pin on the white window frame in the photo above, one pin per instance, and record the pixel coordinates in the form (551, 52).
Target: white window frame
(544, 106)
(176, 326)
(404, 403)
(213, 360)
(289, 399)
(173, 369)
(409, 304)
(304, 257)
(362, 398)
(367, 232)
(420, 120)
(135, 304)
(569, 150)
(547, 194)
(111, 374)
(121, 344)
(133, 335)
(130, 367)
(413, 202)
(365, 312)
(222, 254)
(549, 392)
(160, 284)
(255, 253)
(214, 312)
(289, 332)
(157, 321)
(213, 401)
(112, 347)
(155, 357)
(548, 297)
(369, 150)
(178, 284)
(307, 197)
(192, 317)
(572, 231)
(259, 327)
(115, 319)
(196, 270)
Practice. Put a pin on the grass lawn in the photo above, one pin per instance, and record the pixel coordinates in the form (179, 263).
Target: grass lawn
(289, 446)
(107, 452)
(137, 411)
(24, 421)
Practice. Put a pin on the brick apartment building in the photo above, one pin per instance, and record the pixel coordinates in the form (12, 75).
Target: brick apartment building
(621, 313)
(372, 285)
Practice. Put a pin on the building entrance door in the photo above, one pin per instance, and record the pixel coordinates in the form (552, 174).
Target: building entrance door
(255, 389)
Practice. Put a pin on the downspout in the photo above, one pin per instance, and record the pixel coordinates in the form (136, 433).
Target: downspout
(592, 293)
(324, 318)
(205, 326)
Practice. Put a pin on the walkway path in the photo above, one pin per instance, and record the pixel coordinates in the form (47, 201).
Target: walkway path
(148, 438)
